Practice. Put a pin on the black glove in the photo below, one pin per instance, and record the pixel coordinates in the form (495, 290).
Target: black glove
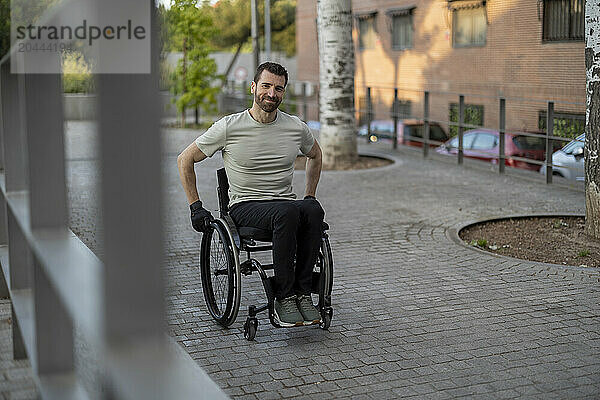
(200, 216)
(309, 196)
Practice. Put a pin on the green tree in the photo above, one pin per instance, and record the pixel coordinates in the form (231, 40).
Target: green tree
(232, 20)
(190, 29)
(162, 16)
(283, 26)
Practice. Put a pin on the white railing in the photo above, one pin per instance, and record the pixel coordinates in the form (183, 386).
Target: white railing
(54, 281)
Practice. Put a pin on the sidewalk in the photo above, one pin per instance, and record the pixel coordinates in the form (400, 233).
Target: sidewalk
(416, 315)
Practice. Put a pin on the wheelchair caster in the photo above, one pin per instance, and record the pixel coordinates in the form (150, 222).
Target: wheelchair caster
(326, 315)
(250, 327)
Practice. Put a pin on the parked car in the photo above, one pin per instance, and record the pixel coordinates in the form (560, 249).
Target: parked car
(568, 162)
(314, 125)
(483, 144)
(408, 129)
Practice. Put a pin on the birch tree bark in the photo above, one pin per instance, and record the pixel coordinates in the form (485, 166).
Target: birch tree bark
(592, 119)
(336, 83)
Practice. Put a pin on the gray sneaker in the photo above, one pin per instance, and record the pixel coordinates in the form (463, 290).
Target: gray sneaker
(287, 314)
(309, 312)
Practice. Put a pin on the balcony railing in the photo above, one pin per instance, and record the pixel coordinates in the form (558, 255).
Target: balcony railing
(54, 281)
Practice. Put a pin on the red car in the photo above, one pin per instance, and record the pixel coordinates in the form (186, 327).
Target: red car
(483, 144)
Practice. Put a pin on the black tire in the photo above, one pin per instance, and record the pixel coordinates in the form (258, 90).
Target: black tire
(220, 274)
(326, 316)
(324, 266)
(250, 328)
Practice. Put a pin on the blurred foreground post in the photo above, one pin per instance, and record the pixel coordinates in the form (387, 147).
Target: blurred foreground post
(55, 283)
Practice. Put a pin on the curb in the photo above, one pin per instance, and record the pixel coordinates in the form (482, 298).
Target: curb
(452, 233)
(396, 161)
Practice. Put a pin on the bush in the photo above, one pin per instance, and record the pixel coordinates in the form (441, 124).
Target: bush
(77, 77)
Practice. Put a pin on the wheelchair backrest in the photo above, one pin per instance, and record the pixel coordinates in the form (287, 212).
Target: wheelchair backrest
(223, 191)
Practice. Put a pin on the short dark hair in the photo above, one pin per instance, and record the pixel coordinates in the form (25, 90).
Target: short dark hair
(273, 68)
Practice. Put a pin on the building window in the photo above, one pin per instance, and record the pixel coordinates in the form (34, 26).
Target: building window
(402, 27)
(473, 116)
(567, 125)
(469, 25)
(563, 20)
(366, 31)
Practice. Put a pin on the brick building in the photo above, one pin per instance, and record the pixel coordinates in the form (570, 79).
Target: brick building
(528, 51)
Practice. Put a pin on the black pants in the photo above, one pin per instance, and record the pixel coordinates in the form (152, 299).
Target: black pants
(297, 231)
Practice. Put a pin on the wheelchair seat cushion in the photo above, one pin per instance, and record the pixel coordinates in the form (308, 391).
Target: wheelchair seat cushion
(248, 232)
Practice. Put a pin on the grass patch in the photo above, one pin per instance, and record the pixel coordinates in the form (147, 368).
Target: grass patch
(560, 224)
(583, 253)
(479, 243)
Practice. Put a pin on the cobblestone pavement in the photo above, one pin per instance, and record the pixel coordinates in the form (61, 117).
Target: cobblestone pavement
(16, 381)
(416, 315)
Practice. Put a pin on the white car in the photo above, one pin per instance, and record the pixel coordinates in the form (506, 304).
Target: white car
(568, 161)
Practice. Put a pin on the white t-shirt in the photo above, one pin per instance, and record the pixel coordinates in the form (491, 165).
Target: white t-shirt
(259, 158)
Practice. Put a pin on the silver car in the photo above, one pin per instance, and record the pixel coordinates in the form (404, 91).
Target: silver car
(568, 161)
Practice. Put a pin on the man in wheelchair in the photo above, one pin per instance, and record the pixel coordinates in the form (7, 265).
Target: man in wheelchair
(259, 148)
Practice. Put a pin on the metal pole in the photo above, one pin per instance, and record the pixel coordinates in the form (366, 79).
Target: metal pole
(16, 176)
(53, 328)
(549, 133)
(15, 164)
(268, 29)
(304, 102)
(502, 129)
(426, 125)
(395, 118)
(129, 135)
(48, 211)
(255, 44)
(461, 122)
(369, 116)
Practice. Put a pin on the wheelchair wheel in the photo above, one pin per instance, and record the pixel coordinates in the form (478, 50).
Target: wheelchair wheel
(220, 274)
(324, 266)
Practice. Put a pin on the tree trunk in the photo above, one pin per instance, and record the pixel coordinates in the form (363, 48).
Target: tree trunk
(592, 125)
(336, 82)
(184, 80)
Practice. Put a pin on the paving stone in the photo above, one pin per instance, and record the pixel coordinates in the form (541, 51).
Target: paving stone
(416, 315)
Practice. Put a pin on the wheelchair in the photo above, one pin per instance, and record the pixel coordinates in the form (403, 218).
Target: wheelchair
(221, 269)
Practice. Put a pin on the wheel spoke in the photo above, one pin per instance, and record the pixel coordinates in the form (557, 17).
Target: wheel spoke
(218, 269)
(219, 272)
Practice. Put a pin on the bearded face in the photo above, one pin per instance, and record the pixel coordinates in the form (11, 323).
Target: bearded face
(267, 103)
(269, 91)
